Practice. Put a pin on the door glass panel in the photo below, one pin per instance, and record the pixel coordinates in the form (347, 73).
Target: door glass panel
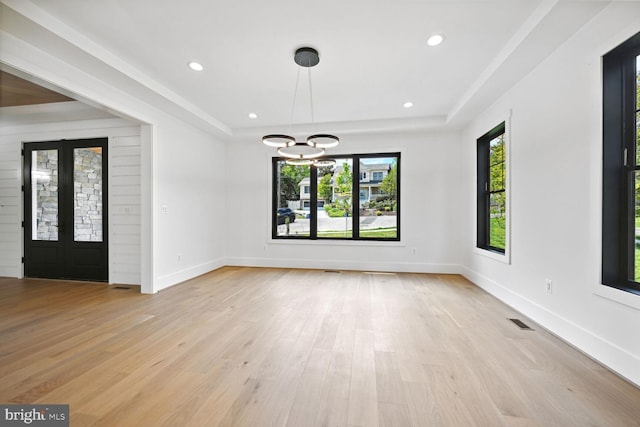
(44, 193)
(87, 189)
(334, 208)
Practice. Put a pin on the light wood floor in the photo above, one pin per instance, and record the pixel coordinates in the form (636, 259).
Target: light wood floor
(270, 347)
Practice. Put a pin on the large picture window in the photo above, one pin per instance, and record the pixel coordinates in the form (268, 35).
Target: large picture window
(621, 167)
(492, 194)
(326, 202)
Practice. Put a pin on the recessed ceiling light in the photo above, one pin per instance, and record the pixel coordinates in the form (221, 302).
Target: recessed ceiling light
(435, 39)
(408, 104)
(253, 116)
(196, 66)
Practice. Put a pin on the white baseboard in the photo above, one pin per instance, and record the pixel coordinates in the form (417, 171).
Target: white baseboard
(180, 276)
(606, 353)
(324, 264)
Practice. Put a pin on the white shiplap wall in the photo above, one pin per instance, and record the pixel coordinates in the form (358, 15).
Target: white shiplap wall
(125, 209)
(10, 209)
(124, 191)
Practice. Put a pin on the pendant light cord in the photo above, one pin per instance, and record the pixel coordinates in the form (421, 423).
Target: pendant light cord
(293, 104)
(313, 123)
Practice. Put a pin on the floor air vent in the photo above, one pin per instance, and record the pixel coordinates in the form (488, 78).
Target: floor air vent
(332, 271)
(120, 287)
(521, 324)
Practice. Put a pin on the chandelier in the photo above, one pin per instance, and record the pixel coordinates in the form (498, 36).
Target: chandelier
(309, 151)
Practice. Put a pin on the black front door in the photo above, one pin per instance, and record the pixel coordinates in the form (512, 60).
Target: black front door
(65, 209)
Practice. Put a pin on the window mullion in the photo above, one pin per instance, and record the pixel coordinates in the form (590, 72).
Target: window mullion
(313, 203)
(355, 198)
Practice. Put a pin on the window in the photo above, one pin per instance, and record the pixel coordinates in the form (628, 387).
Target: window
(376, 176)
(621, 167)
(287, 194)
(492, 195)
(373, 214)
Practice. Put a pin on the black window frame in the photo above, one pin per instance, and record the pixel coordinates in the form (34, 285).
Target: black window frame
(313, 177)
(619, 165)
(484, 191)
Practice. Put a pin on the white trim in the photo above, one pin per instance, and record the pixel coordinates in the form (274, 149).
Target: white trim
(83, 128)
(110, 254)
(180, 276)
(618, 296)
(335, 242)
(507, 52)
(325, 264)
(147, 189)
(497, 256)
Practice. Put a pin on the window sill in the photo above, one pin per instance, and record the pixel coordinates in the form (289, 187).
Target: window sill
(629, 298)
(504, 258)
(335, 242)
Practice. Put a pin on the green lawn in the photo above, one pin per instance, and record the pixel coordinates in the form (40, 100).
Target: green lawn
(497, 233)
(637, 252)
(637, 263)
(380, 233)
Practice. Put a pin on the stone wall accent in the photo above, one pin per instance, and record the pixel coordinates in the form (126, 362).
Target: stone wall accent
(45, 180)
(87, 188)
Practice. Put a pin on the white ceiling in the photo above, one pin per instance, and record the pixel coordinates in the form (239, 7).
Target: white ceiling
(373, 54)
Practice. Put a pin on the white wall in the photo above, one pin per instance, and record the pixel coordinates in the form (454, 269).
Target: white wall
(431, 179)
(556, 146)
(190, 202)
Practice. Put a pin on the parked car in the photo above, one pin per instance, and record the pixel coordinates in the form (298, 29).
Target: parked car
(283, 213)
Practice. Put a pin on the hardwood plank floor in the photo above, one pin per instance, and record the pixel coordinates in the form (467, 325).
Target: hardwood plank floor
(275, 347)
